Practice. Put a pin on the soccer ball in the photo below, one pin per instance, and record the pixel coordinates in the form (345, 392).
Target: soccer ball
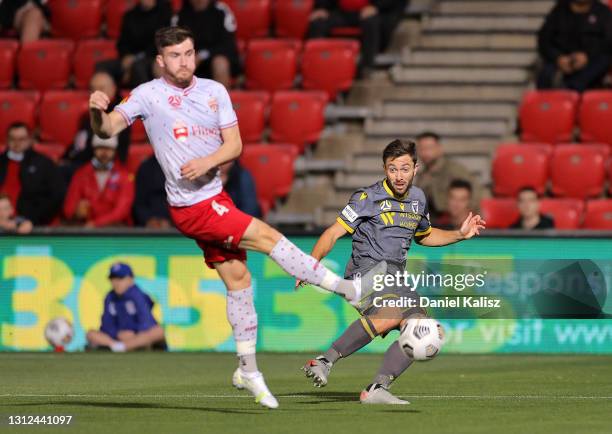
(422, 338)
(58, 332)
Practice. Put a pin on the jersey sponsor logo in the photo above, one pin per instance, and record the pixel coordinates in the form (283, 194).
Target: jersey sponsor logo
(112, 309)
(219, 209)
(414, 205)
(349, 213)
(175, 101)
(180, 130)
(385, 205)
(213, 104)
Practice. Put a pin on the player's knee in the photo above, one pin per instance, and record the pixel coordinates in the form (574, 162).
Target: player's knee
(260, 236)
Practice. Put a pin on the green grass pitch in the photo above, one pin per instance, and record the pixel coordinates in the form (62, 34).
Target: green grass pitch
(191, 393)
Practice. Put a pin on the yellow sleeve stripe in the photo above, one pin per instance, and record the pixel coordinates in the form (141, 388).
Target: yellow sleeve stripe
(349, 229)
(367, 328)
(422, 233)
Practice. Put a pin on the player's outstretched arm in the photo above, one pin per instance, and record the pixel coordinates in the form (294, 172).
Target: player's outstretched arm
(471, 227)
(104, 124)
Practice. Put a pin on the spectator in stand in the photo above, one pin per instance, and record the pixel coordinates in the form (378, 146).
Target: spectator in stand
(81, 151)
(127, 321)
(101, 192)
(32, 181)
(529, 208)
(25, 17)
(214, 27)
(376, 18)
(9, 222)
(240, 185)
(575, 43)
(436, 172)
(150, 205)
(459, 203)
(136, 43)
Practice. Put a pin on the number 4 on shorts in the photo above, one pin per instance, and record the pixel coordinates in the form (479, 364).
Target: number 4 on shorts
(219, 209)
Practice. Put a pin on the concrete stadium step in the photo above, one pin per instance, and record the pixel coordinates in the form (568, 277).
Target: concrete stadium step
(353, 181)
(447, 110)
(469, 58)
(454, 128)
(423, 75)
(457, 92)
(478, 41)
(481, 24)
(485, 7)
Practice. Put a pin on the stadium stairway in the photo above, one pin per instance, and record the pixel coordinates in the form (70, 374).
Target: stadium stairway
(459, 71)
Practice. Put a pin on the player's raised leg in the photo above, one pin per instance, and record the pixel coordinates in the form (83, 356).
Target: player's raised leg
(261, 237)
(242, 317)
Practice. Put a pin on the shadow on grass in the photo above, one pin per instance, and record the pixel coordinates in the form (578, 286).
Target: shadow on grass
(133, 405)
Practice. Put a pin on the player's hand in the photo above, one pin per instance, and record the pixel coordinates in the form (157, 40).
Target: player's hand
(472, 225)
(193, 169)
(99, 101)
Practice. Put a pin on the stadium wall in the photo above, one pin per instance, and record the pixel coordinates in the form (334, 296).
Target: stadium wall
(45, 276)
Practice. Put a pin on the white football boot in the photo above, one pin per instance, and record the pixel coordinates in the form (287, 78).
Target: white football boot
(254, 382)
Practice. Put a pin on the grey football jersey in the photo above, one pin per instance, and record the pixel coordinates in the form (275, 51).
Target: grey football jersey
(383, 225)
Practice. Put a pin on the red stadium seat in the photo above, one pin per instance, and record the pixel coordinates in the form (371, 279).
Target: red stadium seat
(262, 160)
(45, 64)
(598, 214)
(548, 115)
(499, 213)
(595, 115)
(250, 107)
(297, 117)
(87, 54)
(76, 19)
(329, 64)
(578, 170)
(520, 165)
(137, 153)
(61, 115)
(8, 55)
(52, 150)
(16, 106)
(252, 18)
(567, 213)
(271, 64)
(114, 15)
(291, 18)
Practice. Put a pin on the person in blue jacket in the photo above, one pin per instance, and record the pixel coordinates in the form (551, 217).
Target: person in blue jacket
(127, 321)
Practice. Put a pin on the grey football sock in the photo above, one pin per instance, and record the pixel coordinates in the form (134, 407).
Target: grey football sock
(356, 336)
(394, 363)
(331, 355)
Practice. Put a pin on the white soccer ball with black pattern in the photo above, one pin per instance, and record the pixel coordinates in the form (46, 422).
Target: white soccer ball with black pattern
(59, 332)
(422, 338)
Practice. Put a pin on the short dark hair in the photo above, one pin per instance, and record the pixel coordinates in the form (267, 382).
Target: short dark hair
(397, 148)
(15, 125)
(460, 183)
(428, 135)
(527, 188)
(168, 36)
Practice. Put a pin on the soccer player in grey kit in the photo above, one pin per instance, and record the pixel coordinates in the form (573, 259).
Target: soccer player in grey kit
(193, 129)
(383, 219)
